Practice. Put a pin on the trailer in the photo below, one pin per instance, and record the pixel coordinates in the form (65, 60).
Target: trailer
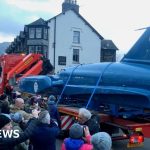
(121, 122)
(119, 93)
(118, 128)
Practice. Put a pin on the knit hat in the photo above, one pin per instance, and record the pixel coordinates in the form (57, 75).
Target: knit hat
(76, 131)
(101, 141)
(4, 120)
(51, 99)
(16, 117)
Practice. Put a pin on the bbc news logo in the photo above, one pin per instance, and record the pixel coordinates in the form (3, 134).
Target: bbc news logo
(9, 133)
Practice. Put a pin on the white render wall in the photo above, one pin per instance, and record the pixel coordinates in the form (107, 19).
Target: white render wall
(90, 43)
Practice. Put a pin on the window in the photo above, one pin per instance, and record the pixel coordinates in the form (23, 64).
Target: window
(76, 37)
(75, 55)
(108, 55)
(35, 49)
(38, 33)
(45, 51)
(45, 33)
(61, 60)
(31, 33)
(39, 49)
(31, 49)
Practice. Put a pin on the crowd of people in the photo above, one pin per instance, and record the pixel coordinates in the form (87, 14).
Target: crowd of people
(38, 124)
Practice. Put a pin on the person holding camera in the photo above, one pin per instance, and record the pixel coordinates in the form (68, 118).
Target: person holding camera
(92, 121)
(79, 138)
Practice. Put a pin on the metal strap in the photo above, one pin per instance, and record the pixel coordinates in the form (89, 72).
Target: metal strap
(97, 83)
(60, 96)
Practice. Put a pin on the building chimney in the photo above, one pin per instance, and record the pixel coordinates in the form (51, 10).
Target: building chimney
(70, 5)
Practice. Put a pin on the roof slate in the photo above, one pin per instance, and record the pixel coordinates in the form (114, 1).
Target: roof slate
(108, 44)
(40, 21)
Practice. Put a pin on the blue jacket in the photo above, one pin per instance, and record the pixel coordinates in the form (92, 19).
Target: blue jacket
(73, 144)
(44, 137)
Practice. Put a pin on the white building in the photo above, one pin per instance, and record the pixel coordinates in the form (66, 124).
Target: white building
(72, 40)
(66, 39)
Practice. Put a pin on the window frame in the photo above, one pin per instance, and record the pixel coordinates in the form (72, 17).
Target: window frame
(31, 33)
(76, 37)
(76, 56)
(38, 33)
(37, 50)
(45, 33)
(31, 49)
(63, 60)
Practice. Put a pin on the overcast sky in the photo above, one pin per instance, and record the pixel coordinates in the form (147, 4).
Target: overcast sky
(113, 19)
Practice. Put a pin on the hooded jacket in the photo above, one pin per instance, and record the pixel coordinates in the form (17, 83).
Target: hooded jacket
(77, 144)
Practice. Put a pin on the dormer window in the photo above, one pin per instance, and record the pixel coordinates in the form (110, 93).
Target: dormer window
(38, 33)
(45, 33)
(31, 33)
(35, 33)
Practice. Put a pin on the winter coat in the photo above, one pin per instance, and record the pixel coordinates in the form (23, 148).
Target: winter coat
(23, 145)
(93, 124)
(9, 143)
(4, 107)
(14, 109)
(77, 144)
(45, 137)
(53, 111)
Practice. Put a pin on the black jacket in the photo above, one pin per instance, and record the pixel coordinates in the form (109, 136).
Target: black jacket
(9, 143)
(93, 124)
(4, 107)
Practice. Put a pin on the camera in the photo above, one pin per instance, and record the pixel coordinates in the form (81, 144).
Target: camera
(84, 126)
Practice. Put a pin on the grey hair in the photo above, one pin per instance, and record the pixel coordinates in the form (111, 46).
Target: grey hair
(44, 117)
(85, 113)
